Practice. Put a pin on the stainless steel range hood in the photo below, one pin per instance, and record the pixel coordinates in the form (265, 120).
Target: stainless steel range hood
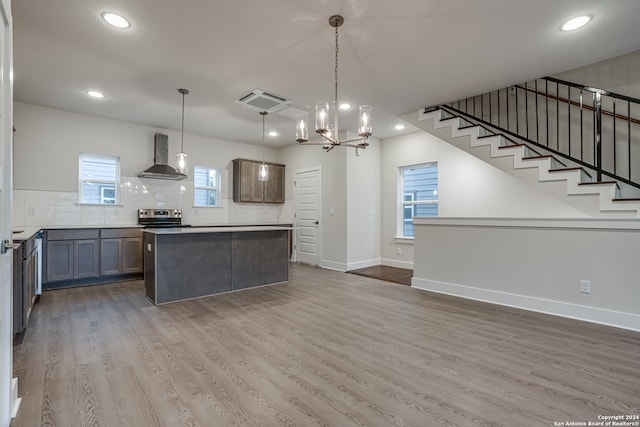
(161, 168)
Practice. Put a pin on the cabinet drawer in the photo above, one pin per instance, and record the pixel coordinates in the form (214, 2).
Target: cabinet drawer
(81, 234)
(116, 233)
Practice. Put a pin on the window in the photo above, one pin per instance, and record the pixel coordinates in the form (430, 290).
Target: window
(206, 183)
(419, 184)
(99, 179)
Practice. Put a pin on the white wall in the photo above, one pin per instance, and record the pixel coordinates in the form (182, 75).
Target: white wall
(46, 148)
(350, 219)
(467, 187)
(535, 264)
(363, 206)
(619, 75)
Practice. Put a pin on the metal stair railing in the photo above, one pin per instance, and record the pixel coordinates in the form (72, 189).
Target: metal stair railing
(594, 128)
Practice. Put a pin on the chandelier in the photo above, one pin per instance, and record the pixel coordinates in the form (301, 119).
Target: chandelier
(329, 131)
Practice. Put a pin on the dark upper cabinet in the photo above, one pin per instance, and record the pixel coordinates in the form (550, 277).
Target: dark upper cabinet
(247, 188)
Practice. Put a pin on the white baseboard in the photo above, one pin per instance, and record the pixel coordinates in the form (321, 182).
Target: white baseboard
(396, 263)
(557, 308)
(363, 264)
(15, 400)
(333, 265)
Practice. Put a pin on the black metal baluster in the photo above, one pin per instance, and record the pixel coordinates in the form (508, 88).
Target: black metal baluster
(517, 113)
(598, 127)
(546, 102)
(508, 115)
(569, 118)
(490, 109)
(499, 111)
(581, 129)
(482, 106)
(557, 116)
(615, 169)
(526, 108)
(629, 135)
(537, 119)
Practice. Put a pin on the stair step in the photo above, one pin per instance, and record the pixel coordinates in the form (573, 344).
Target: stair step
(599, 183)
(583, 170)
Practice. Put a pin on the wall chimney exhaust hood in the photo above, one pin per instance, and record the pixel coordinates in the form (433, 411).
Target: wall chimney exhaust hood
(161, 168)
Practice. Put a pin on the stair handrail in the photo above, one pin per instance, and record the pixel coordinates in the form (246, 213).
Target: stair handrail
(596, 107)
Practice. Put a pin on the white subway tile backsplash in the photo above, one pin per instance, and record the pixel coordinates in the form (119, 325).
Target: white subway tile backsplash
(50, 208)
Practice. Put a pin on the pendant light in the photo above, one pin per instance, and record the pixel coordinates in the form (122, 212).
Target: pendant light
(181, 158)
(327, 130)
(263, 169)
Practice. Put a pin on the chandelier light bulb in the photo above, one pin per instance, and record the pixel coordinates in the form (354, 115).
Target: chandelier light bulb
(364, 122)
(322, 116)
(302, 127)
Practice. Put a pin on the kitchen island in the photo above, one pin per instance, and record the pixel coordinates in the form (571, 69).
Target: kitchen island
(186, 263)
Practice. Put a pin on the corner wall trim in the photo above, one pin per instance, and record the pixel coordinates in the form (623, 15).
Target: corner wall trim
(557, 308)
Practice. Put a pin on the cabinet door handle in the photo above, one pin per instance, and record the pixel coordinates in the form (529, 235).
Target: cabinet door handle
(7, 246)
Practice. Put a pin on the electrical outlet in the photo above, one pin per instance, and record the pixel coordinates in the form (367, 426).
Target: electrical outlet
(399, 251)
(585, 286)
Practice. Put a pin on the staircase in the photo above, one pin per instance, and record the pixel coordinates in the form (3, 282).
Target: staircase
(540, 151)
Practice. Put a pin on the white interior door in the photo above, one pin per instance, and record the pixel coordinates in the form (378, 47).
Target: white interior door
(8, 402)
(308, 197)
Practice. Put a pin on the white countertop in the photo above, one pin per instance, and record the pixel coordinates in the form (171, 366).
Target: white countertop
(204, 230)
(24, 233)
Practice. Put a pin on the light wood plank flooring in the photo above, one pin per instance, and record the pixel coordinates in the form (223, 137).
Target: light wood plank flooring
(325, 349)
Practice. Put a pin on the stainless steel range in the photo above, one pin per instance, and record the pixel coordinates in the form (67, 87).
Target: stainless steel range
(157, 218)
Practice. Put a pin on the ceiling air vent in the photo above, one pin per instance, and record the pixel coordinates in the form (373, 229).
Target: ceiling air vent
(259, 100)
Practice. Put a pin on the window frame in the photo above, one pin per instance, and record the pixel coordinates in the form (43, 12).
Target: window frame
(115, 183)
(413, 203)
(217, 188)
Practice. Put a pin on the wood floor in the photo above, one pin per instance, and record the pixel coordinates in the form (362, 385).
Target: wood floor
(401, 276)
(325, 349)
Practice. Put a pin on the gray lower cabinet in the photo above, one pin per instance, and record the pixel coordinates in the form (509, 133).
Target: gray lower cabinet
(72, 255)
(91, 255)
(121, 251)
(25, 282)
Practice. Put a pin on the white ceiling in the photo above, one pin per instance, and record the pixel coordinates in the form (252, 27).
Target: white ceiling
(397, 56)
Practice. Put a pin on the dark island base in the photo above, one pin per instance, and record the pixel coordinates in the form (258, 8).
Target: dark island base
(191, 265)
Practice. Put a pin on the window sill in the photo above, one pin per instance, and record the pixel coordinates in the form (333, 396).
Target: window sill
(403, 240)
(207, 207)
(116, 205)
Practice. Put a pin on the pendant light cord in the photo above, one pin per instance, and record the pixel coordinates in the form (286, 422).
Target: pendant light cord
(182, 128)
(263, 114)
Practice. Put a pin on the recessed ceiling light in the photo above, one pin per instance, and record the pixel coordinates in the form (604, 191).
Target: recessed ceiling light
(116, 20)
(399, 127)
(345, 106)
(575, 23)
(95, 94)
(273, 133)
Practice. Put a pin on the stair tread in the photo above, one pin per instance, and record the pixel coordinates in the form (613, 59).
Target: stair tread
(598, 183)
(513, 145)
(542, 156)
(571, 169)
